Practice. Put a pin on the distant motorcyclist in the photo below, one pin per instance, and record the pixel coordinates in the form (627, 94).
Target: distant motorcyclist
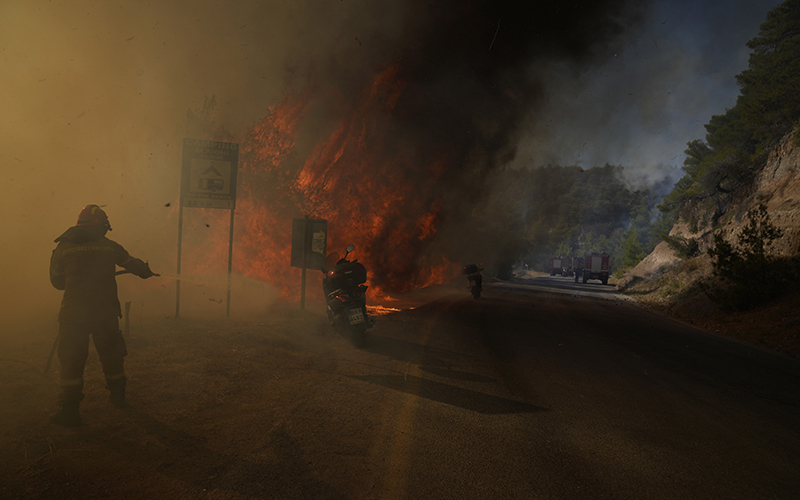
(83, 264)
(473, 272)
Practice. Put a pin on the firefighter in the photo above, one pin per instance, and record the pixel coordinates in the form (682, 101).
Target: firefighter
(83, 264)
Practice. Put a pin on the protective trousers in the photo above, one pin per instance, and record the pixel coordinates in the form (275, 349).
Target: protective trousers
(73, 350)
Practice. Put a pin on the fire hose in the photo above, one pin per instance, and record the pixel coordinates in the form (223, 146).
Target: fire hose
(147, 266)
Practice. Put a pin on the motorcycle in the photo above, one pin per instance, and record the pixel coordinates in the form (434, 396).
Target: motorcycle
(475, 278)
(345, 295)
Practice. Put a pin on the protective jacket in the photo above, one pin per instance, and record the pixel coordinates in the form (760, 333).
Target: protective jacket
(84, 266)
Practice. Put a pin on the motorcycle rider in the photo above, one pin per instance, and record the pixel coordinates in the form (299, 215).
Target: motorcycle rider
(83, 265)
(473, 272)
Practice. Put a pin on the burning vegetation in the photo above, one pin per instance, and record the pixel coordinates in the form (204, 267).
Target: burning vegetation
(355, 179)
(398, 157)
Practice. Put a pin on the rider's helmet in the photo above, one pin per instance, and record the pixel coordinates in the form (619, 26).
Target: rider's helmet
(93, 215)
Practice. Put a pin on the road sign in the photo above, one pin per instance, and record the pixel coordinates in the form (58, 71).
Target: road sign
(208, 177)
(309, 236)
(208, 180)
(309, 240)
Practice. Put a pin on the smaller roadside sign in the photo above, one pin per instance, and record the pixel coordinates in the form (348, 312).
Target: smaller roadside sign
(208, 176)
(309, 236)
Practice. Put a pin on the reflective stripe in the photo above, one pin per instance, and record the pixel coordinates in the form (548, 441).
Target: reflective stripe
(116, 376)
(70, 382)
(88, 248)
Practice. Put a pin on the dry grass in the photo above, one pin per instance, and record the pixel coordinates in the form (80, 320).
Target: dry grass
(676, 290)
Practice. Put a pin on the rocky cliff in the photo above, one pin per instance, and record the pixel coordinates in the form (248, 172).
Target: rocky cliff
(672, 285)
(777, 185)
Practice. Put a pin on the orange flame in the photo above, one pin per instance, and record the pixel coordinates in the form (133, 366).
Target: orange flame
(370, 186)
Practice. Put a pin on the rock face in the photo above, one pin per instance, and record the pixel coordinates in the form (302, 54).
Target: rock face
(777, 185)
(678, 290)
(661, 255)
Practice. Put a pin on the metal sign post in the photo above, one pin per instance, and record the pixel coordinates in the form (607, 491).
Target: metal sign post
(309, 242)
(208, 180)
(305, 263)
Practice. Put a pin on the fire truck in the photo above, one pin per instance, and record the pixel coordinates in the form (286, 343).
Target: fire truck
(557, 265)
(596, 267)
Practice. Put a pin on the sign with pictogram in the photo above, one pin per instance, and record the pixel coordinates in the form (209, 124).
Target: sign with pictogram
(208, 177)
(208, 180)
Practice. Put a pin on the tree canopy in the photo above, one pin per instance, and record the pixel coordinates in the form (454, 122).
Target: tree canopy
(543, 212)
(768, 107)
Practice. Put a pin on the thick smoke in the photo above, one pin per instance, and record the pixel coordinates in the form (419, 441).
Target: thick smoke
(649, 95)
(95, 98)
(470, 80)
(475, 73)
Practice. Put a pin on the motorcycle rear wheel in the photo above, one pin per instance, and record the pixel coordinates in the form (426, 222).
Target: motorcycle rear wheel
(476, 292)
(358, 335)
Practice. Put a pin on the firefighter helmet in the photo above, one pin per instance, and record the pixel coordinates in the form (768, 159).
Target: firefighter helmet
(93, 215)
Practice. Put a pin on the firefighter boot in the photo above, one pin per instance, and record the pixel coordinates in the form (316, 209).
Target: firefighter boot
(117, 395)
(68, 416)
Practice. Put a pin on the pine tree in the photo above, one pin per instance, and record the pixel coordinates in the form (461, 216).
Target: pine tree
(632, 249)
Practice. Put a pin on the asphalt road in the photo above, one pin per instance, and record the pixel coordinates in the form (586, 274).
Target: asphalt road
(546, 388)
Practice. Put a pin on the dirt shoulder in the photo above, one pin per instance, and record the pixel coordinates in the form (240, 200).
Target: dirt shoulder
(674, 290)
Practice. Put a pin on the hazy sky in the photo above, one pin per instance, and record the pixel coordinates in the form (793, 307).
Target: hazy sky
(94, 97)
(653, 94)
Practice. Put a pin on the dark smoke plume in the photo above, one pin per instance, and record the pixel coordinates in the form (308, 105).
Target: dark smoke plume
(473, 73)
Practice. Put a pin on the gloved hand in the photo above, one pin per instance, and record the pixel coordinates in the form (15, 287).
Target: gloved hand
(147, 273)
